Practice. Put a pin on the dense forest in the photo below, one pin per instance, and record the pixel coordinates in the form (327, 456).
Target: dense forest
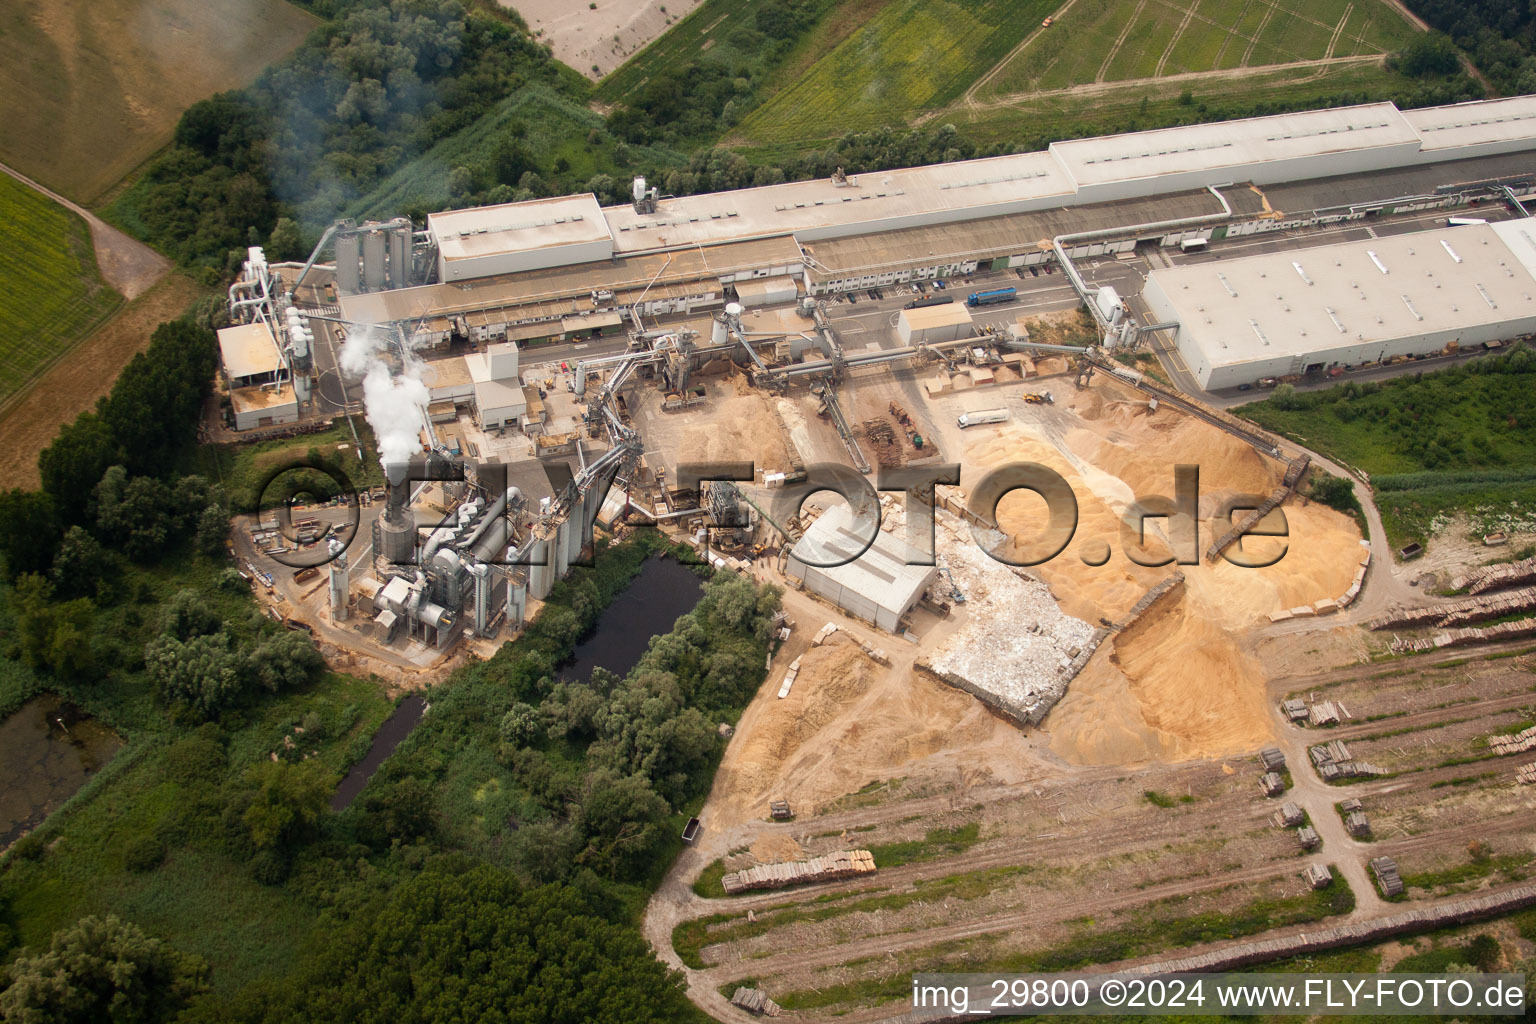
(1498, 35)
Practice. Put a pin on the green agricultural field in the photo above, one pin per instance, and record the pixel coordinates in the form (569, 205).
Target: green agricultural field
(1098, 41)
(50, 291)
(1103, 110)
(708, 34)
(910, 58)
(88, 91)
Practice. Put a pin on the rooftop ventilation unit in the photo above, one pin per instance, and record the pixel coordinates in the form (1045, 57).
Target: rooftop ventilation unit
(1486, 297)
(1377, 260)
(1409, 303)
(1335, 318)
(1302, 271)
(1227, 285)
(1447, 247)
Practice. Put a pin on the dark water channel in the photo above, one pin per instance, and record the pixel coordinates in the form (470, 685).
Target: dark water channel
(648, 607)
(661, 592)
(47, 751)
(395, 728)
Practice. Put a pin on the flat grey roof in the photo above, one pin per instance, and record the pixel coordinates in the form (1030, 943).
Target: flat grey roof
(819, 206)
(555, 286)
(1254, 140)
(1479, 122)
(1009, 234)
(1397, 286)
(1375, 186)
(535, 224)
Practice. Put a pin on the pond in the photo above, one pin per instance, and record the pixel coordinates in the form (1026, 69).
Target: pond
(648, 607)
(48, 748)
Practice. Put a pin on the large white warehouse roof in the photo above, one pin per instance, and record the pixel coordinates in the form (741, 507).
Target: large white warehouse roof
(1315, 305)
(535, 224)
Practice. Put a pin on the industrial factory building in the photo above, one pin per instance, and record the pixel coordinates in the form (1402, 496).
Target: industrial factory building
(523, 271)
(880, 586)
(261, 393)
(1343, 305)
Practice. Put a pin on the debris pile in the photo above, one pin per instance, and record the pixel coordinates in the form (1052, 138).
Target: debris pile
(827, 868)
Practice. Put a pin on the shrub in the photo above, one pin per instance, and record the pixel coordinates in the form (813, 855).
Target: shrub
(144, 854)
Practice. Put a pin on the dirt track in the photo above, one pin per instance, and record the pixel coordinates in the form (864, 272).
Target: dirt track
(130, 267)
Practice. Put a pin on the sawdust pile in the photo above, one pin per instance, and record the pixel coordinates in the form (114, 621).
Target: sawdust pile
(848, 722)
(739, 428)
(1179, 685)
(776, 849)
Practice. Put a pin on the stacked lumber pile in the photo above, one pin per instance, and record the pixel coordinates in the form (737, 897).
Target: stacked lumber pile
(1497, 577)
(753, 1001)
(1459, 613)
(827, 868)
(1519, 743)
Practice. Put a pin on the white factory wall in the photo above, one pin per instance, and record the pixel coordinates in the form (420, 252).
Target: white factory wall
(1322, 165)
(492, 417)
(272, 416)
(465, 268)
(855, 604)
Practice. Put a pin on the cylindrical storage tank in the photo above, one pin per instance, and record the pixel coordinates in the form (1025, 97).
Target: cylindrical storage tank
(719, 333)
(373, 260)
(517, 604)
(541, 574)
(399, 256)
(397, 537)
(348, 271)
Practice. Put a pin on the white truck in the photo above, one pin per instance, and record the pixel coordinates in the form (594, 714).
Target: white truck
(971, 419)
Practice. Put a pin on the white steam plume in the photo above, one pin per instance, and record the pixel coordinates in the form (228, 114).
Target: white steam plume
(393, 404)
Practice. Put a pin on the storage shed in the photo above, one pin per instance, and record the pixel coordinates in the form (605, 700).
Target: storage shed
(928, 324)
(879, 586)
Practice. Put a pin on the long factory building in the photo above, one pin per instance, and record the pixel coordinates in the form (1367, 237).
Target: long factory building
(570, 267)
